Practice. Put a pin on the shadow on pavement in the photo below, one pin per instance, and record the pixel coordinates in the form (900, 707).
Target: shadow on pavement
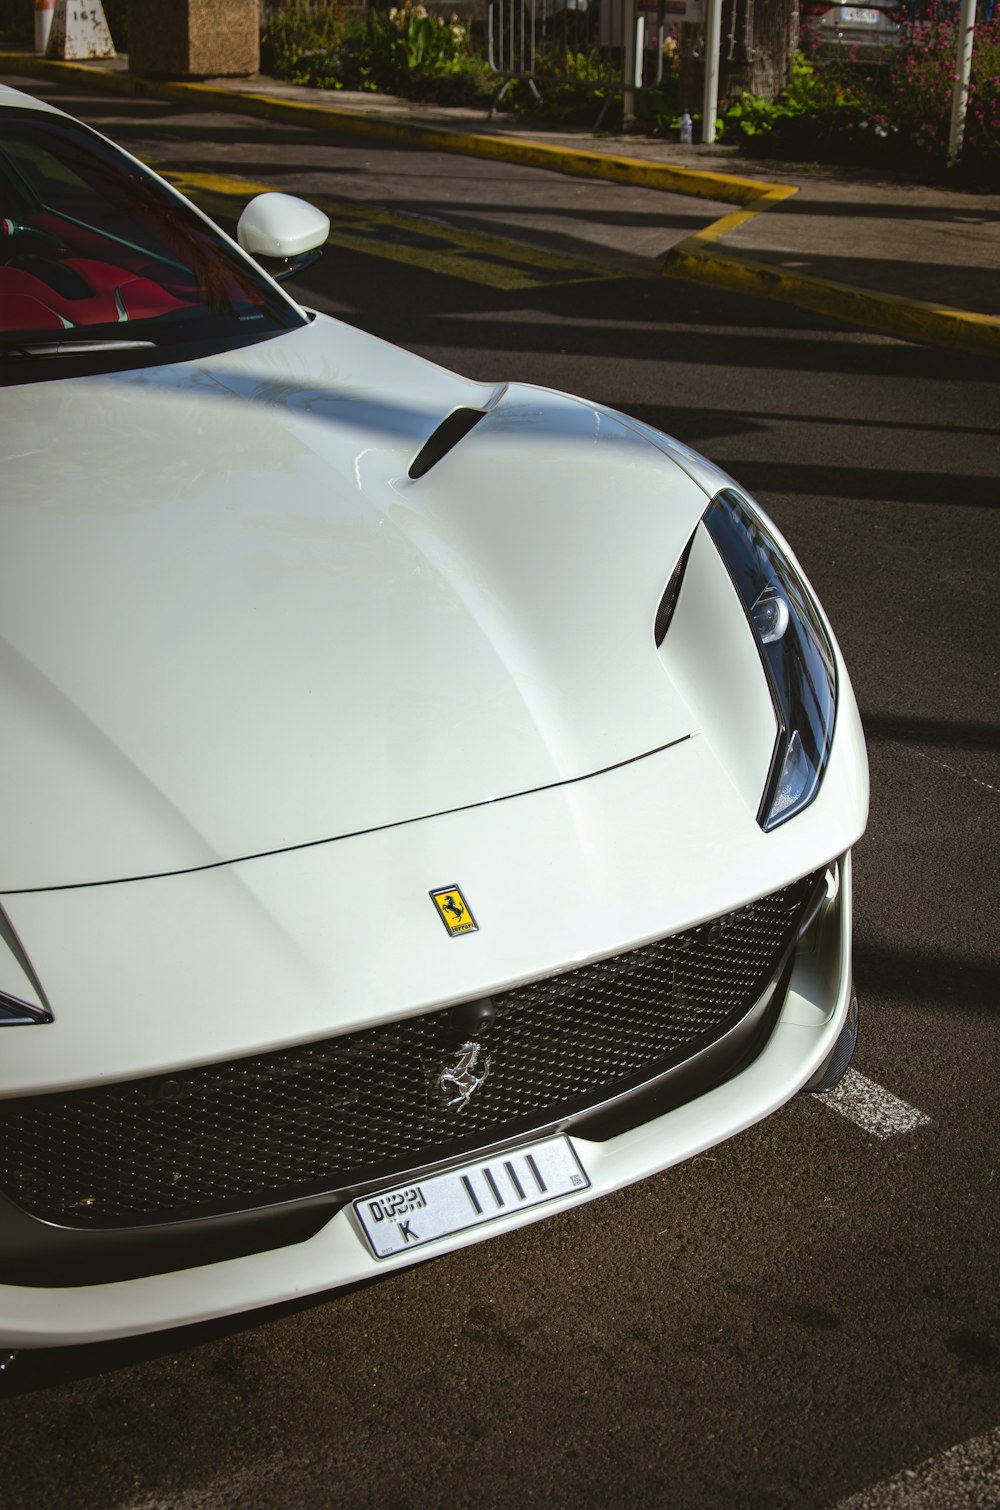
(947, 733)
(44, 1369)
(915, 977)
(971, 214)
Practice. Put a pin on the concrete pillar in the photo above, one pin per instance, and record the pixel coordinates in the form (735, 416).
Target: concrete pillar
(79, 30)
(194, 38)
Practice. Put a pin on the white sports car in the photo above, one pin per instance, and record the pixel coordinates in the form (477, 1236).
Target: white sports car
(426, 804)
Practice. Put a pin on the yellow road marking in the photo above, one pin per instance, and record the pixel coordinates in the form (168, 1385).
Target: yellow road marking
(503, 264)
(358, 227)
(773, 195)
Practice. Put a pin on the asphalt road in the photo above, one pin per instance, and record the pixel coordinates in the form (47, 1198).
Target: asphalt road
(799, 1317)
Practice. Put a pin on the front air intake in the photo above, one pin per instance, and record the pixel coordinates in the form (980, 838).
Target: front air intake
(340, 1113)
(447, 435)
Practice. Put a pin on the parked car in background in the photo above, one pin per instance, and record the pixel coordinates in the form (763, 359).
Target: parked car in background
(861, 33)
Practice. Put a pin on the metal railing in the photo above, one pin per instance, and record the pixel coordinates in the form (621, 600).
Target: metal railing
(580, 42)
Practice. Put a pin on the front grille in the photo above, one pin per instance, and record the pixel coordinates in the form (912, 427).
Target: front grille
(337, 1114)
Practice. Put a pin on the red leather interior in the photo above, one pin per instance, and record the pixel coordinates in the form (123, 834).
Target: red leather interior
(81, 290)
(22, 312)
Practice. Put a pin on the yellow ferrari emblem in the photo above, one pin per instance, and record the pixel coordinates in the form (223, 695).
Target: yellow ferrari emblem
(453, 911)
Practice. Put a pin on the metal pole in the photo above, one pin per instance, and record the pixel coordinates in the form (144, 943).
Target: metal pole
(629, 66)
(713, 39)
(963, 72)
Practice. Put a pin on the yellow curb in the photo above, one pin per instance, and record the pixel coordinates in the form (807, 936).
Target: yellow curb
(909, 319)
(568, 160)
(726, 187)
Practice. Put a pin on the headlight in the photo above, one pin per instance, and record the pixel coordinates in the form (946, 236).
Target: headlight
(794, 647)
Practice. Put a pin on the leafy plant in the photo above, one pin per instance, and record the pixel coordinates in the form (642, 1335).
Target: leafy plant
(405, 51)
(574, 87)
(894, 114)
(921, 81)
(810, 90)
(300, 41)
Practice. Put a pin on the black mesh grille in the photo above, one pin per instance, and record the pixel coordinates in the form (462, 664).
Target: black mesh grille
(331, 1115)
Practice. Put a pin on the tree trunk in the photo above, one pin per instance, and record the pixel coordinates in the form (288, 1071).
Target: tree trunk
(759, 39)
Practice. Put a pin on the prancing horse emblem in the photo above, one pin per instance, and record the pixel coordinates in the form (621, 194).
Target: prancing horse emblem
(454, 911)
(459, 1081)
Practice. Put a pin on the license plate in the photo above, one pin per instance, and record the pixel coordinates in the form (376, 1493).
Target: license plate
(470, 1195)
(856, 15)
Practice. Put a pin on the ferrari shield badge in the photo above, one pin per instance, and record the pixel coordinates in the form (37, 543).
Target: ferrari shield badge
(453, 911)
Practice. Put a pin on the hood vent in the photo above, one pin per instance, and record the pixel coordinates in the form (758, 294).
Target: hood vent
(668, 602)
(447, 435)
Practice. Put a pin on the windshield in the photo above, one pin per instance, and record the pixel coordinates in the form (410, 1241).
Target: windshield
(98, 256)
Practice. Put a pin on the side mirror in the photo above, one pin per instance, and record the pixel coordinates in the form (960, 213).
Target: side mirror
(284, 228)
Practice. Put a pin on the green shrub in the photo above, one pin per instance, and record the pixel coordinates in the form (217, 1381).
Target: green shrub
(893, 115)
(404, 51)
(573, 88)
(918, 97)
(811, 91)
(300, 41)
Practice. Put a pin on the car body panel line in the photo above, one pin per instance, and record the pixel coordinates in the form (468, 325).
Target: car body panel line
(266, 854)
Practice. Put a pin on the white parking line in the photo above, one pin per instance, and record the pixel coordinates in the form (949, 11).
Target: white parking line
(955, 771)
(872, 1107)
(228, 1491)
(966, 1477)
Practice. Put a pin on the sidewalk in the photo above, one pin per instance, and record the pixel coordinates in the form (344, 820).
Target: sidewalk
(911, 261)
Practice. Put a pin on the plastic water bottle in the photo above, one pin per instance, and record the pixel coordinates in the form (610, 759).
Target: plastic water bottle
(687, 129)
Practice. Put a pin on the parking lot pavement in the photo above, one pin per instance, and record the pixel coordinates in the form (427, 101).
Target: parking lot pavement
(961, 1477)
(875, 250)
(608, 225)
(932, 244)
(806, 1317)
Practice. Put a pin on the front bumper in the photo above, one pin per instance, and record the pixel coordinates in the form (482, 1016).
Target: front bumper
(809, 1025)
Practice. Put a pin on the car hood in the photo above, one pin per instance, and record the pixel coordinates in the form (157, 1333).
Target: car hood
(231, 623)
